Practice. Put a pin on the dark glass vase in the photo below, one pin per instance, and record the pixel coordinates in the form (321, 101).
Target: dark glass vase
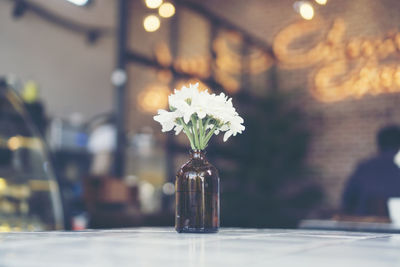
(197, 196)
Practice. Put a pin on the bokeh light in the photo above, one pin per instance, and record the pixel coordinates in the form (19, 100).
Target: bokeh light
(306, 11)
(153, 3)
(151, 23)
(321, 2)
(14, 143)
(168, 188)
(166, 10)
(164, 76)
(3, 184)
(153, 98)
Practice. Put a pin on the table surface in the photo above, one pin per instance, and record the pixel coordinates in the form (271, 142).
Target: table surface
(350, 226)
(230, 247)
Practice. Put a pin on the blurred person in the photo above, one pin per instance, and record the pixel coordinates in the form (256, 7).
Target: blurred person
(374, 180)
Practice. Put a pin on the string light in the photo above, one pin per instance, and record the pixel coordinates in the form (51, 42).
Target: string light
(153, 3)
(166, 10)
(151, 23)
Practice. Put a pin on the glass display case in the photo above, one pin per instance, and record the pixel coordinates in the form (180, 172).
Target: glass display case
(29, 193)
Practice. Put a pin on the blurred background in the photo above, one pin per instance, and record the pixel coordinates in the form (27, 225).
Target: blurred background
(81, 80)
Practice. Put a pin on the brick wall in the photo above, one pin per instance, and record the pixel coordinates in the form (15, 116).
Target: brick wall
(343, 132)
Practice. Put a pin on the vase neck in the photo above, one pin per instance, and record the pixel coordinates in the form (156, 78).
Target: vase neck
(198, 154)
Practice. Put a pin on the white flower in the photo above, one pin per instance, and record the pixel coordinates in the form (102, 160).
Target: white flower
(181, 100)
(184, 94)
(397, 159)
(200, 115)
(200, 104)
(178, 129)
(166, 119)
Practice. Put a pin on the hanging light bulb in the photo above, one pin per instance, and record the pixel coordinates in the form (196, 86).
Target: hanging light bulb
(151, 23)
(305, 9)
(153, 3)
(166, 10)
(321, 2)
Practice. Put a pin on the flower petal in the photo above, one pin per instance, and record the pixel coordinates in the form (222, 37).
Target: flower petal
(227, 135)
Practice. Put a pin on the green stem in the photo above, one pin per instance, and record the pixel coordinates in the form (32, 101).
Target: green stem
(209, 135)
(188, 134)
(206, 124)
(195, 133)
(201, 134)
(192, 145)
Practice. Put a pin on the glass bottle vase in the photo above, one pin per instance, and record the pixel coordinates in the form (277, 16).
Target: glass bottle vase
(197, 196)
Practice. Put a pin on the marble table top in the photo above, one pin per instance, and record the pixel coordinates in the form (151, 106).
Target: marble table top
(230, 247)
(350, 226)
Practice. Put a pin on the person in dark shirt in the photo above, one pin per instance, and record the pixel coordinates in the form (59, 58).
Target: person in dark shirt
(375, 180)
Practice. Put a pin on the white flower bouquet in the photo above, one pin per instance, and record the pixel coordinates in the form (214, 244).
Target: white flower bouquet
(200, 115)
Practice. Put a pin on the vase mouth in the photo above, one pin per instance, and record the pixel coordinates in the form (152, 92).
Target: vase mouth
(197, 153)
(192, 151)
